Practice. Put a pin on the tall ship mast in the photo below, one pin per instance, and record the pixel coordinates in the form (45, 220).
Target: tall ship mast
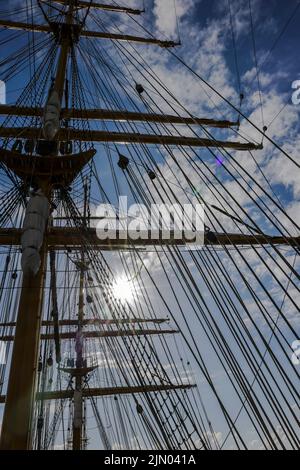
(145, 342)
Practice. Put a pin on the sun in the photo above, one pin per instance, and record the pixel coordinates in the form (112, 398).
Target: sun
(123, 290)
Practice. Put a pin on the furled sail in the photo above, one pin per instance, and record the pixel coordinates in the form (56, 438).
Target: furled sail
(35, 221)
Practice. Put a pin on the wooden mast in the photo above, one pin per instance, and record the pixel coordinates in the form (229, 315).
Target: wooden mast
(18, 412)
(78, 397)
(17, 418)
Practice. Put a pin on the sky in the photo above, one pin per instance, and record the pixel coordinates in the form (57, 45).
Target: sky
(207, 47)
(205, 34)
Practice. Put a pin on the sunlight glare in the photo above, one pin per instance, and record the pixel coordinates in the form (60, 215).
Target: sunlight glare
(123, 290)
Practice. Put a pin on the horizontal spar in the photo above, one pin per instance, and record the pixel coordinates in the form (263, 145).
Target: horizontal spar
(129, 38)
(38, 28)
(96, 321)
(101, 6)
(41, 28)
(113, 391)
(61, 238)
(72, 237)
(117, 115)
(126, 138)
(99, 334)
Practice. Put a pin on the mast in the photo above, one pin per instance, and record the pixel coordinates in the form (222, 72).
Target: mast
(18, 412)
(80, 371)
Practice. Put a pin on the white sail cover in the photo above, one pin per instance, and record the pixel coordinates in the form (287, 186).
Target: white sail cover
(51, 116)
(37, 213)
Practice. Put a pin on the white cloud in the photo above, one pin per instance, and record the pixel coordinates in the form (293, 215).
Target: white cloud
(2, 92)
(165, 14)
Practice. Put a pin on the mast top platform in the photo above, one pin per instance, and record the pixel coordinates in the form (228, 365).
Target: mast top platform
(59, 171)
